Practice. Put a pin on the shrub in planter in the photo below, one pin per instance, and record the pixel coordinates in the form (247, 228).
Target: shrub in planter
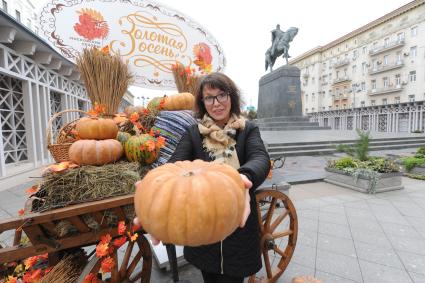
(371, 169)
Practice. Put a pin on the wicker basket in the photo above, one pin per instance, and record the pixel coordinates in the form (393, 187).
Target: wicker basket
(60, 150)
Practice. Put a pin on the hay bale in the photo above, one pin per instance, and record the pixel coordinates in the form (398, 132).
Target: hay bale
(87, 183)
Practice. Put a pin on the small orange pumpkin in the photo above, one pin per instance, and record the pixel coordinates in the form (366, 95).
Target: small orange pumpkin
(93, 128)
(190, 203)
(179, 101)
(94, 152)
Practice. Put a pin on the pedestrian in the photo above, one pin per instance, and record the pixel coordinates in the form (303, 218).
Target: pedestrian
(223, 135)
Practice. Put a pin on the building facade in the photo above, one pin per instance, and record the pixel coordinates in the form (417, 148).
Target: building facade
(372, 78)
(23, 11)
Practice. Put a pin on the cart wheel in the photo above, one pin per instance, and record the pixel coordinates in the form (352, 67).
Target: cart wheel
(125, 270)
(278, 232)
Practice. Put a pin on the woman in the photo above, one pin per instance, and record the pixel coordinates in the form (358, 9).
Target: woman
(223, 135)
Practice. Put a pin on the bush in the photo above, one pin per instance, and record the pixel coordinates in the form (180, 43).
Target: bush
(410, 162)
(360, 149)
(345, 162)
(421, 151)
(376, 164)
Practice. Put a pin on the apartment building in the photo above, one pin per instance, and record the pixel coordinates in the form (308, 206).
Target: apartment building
(374, 70)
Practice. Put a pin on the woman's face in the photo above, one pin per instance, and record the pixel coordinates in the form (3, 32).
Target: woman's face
(218, 104)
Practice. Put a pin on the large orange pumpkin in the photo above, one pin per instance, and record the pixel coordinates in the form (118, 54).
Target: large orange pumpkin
(93, 152)
(190, 203)
(93, 128)
(179, 101)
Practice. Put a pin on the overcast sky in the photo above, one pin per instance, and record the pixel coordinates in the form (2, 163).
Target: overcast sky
(243, 30)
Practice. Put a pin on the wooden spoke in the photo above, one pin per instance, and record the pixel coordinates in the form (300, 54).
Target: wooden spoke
(270, 214)
(126, 258)
(115, 276)
(282, 234)
(267, 263)
(278, 220)
(136, 277)
(279, 251)
(134, 262)
(260, 220)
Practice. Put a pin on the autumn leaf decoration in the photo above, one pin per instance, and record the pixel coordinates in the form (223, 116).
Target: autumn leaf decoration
(106, 247)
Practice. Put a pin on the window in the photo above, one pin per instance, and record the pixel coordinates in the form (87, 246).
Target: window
(4, 6)
(354, 68)
(398, 80)
(306, 98)
(313, 98)
(355, 54)
(363, 86)
(400, 36)
(337, 106)
(330, 107)
(344, 106)
(323, 108)
(412, 76)
(386, 60)
(412, 98)
(345, 72)
(18, 15)
(397, 99)
(414, 31)
(364, 68)
(386, 82)
(398, 57)
(306, 110)
(373, 83)
(386, 42)
(364, 49)
(384, 101)
(362, 104)
(337, 74)
(312, 109)
(29, 23)
(372, 102)
(413, 51)
(313, 79)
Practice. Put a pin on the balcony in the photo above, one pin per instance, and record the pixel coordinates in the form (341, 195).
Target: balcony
(341, 63)
(384, 68)
(342, 96)
(389, 46)
(341, 80)
(386, 90)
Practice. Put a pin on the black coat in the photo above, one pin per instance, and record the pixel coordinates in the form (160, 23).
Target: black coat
(241, 250)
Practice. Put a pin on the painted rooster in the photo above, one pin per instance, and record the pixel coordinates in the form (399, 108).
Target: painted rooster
(203, 57)
(91, 25)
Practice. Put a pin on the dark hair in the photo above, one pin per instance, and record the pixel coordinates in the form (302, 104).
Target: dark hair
(222, 82)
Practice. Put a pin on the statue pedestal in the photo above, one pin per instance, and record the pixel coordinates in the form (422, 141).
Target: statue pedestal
(280, 93)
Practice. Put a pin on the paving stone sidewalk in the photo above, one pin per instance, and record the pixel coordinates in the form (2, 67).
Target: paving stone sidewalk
(343, 236)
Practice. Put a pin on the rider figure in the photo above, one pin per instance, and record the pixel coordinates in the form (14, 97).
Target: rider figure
(277, 34)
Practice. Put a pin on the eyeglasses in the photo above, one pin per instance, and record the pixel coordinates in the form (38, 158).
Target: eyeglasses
(221, 98)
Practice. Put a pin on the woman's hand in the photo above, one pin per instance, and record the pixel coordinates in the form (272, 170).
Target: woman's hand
(154, 240)
(247, 210)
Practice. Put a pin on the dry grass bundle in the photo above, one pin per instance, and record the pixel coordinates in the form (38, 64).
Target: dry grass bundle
(106, 77)
(185, 78)
(87, 183)
(65, 271)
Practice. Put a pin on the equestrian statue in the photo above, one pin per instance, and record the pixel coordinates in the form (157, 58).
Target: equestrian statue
(280, 45)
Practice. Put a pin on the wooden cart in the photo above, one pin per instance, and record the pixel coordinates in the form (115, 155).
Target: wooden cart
(40, 226)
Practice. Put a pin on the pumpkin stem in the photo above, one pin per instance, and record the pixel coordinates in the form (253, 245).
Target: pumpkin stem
(188, 174)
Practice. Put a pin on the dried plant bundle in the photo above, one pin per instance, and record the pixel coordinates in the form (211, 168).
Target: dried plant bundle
(185, 78)
(105, 76)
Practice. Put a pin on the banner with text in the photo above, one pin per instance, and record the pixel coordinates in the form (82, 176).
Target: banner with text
(148, 36)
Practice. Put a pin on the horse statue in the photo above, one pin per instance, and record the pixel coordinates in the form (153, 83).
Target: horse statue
(280, 45)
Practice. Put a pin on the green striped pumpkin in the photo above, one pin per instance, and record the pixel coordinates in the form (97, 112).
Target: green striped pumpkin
(134, 152)
(123, 137)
